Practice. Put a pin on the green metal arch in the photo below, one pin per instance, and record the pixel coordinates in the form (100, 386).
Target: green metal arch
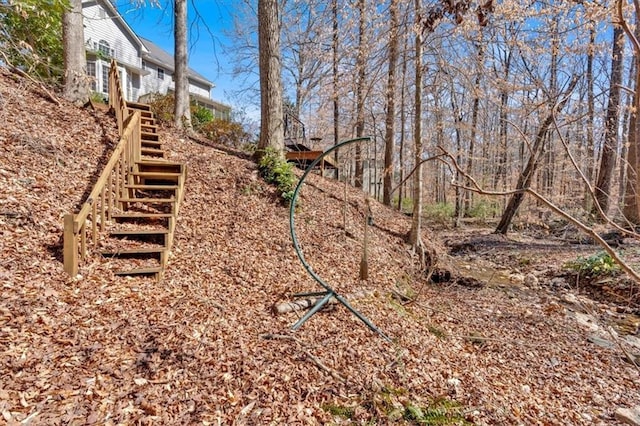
(330, 292)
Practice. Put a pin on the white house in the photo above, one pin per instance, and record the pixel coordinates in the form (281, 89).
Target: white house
(145, 68)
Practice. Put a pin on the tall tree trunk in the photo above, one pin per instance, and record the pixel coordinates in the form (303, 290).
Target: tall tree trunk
(591, 143)
(271, 113)
(403, 121)
(501, 170)
(624, 157)
(182, 111)
(360, 67)
(457, 116)
(389, 137)
(524, 181)
(631, 208)
(416, 220)
(76, 81)
(610, 147)
(336, 104)
(468, 199)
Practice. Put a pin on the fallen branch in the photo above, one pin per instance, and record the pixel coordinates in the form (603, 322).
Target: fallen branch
(579, 224)
(306, 303)
(21, 73)
(309, 355)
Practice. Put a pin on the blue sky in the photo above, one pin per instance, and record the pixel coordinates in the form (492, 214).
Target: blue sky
(207, 52)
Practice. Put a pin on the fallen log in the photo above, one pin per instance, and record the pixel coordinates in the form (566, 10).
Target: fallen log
(308, 302)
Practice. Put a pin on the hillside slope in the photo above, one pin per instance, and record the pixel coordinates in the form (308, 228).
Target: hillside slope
(204, 346)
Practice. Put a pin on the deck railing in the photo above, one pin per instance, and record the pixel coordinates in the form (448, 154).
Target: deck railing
(110, 187)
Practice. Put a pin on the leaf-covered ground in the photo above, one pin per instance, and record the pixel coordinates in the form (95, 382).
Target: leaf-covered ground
(205, 347)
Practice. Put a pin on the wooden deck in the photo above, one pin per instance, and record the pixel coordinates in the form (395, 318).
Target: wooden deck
(304, 158)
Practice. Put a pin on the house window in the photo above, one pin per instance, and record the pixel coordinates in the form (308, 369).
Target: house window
(160, 74)
(105, 79)
(104, 49)
(91, 71)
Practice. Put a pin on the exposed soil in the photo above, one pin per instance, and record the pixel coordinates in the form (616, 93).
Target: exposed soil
(205, 347)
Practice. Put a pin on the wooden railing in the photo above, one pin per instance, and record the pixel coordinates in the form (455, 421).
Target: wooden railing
(110, 187)
(117, 101)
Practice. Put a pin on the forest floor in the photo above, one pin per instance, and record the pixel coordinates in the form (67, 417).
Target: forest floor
(511, 338)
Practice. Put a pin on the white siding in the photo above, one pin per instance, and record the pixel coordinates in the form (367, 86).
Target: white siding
(152, 84)
(199, 89)
(102, 29)
(99, 25)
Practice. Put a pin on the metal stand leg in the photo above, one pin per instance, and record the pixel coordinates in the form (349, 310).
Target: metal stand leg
(313, 310)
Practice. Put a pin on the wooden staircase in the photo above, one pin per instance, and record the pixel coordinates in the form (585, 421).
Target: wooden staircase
(143, 225)
(130, 215)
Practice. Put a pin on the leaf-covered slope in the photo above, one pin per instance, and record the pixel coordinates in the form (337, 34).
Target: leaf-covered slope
(204, 346)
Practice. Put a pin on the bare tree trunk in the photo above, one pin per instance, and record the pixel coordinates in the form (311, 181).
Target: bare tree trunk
(631, 208)
(336, 104)
(457, 116)
(501, 171)
(524, 181)
(182, 112)
(389, 138)
(610, 147)
(271, 114)
(591, 143)
(360, 66)
(76, 82)
(468, 199)
(416, 220)
(624, 157)
(403, 121)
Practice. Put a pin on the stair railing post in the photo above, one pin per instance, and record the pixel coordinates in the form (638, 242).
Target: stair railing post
(70, 246)
(137, 137)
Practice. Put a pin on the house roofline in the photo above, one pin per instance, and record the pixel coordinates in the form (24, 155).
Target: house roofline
(170, 66)
(118, 16)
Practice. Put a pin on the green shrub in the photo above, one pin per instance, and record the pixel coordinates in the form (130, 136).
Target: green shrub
(225, 132)
(483, 209)
(163, 107)
(200, 116)
(600, 263)
(440, 411)
(439, 212)
(339, 411)
(98, 98)
(275, 170)
(407, 204)
(30, 36)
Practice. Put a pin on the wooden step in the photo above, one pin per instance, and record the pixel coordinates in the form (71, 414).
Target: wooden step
(150, 128)
(150, 144)
(139, 106)
(141, 215)
(152, 152)
(133, 251)
(146, 136)
(157, 175)
(147, 200)
(140, 271)
(160, 167)
(127, 232)
(148, 121)
(147, 116)
(152, 187)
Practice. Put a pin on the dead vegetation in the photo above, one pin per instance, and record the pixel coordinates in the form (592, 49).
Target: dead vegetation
(205, 347)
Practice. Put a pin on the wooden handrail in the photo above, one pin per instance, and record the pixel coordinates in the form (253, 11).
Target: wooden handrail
(110, 186)
(117, 100)
(122, 147)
